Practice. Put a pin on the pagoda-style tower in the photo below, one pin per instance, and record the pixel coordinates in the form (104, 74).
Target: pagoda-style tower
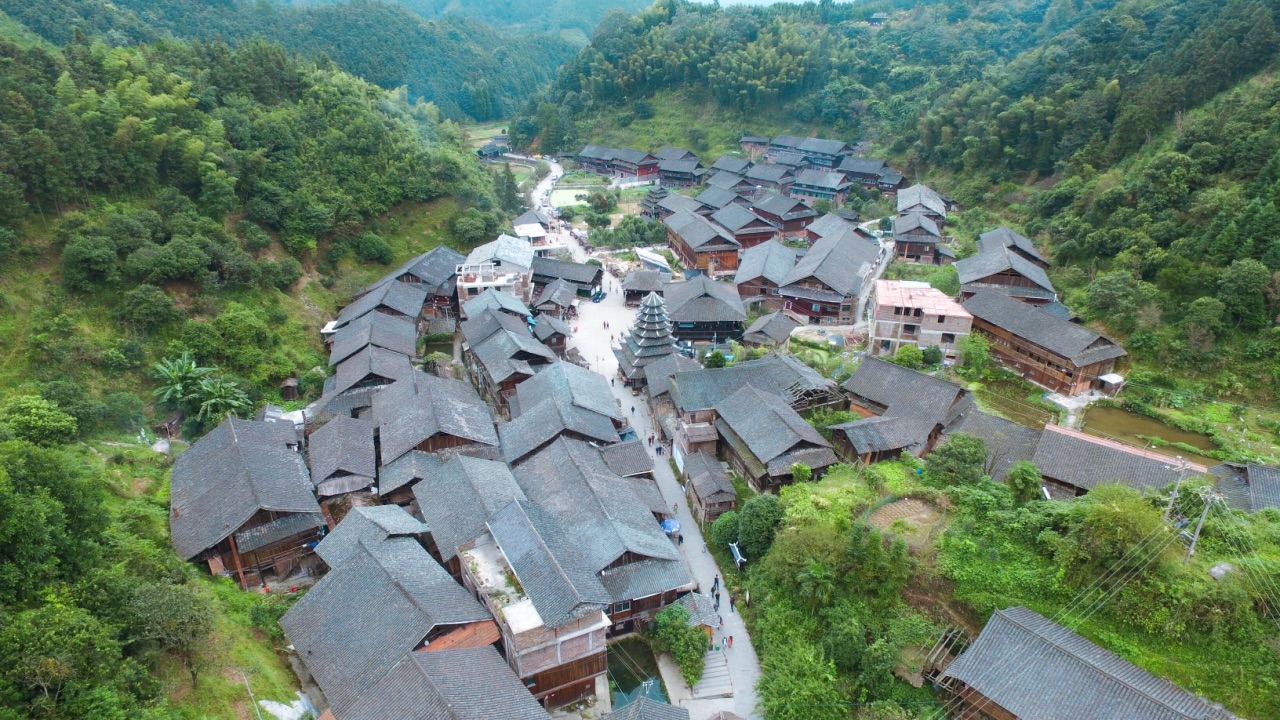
(650, 340)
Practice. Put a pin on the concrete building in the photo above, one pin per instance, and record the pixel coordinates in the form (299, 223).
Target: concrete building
(913, 313)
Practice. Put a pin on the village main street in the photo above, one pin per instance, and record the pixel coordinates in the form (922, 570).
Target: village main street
(593, 341)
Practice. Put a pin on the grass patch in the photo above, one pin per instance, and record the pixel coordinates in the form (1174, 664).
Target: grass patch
(479, 134)
(676, 112)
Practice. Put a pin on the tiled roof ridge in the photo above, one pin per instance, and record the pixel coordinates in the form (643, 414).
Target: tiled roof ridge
(1122, 447)
(1091, 666)
(543, 544)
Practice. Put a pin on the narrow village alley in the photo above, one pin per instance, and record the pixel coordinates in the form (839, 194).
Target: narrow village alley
(593, 340)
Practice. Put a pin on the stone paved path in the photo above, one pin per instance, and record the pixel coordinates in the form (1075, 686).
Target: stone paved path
(593, 341)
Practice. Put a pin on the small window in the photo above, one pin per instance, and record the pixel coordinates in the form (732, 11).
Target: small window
(846, 308)
(948, 338)
(942, 318)
(885, 344)
(473, 291)
(777, 291)
(763, 290)
(618, 607)
(909, 329)
(816, 307)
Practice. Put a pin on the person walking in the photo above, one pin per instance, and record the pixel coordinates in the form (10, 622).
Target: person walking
(730, 641)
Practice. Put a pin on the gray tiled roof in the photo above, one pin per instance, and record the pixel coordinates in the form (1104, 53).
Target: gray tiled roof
(865, 166)
(631, 155)
(357, 621)
(658, 375)
(716, 198)
(770, 260)
(829, 224)
(460, 495)
(790, 159)
(372, 524)
(551, 569)
(775, 327)
(546, 325)
(1035, 668)
(570, 384)
(558, 293)
(1007, 442)
(458, 684)
(627, 458)
(481, 326)
(506, 353)
(710, 481)
(1075, 342)
(675, 202)
(1248, 487)
(917, 402)
(531, 217)
(371, 366)
(727, 181)
(411, 466)
(645, 578)
(239, 468)
(645, 281)
(923, 195)
(729, 163)
(283, 527)
(825, 179)
(343, 446)
(702, 609)
(401, 297)
(419, 407)
(491, 299)
(392, 333)
(787, 208)
(538, 424)
(768, 174)
(578, 273)
(701, 299)
(736, 218)
(506, 250)
(767, 424)
(1086, 462)
(436, 269)
(666, 152)
(912, 221)
(679, 166)
(840, 262)
(985, 264)
(599, 512)
(700, 233)
(774, 373)
(1003, 237)
(596, 152)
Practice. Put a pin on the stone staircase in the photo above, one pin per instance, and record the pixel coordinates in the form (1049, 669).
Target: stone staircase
(715, 682)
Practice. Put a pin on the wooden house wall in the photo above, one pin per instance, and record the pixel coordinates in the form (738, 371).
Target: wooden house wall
(569, 682)
(973, 705)
(1040, 365)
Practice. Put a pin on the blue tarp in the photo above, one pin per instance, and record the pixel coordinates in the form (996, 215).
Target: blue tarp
(671, 526)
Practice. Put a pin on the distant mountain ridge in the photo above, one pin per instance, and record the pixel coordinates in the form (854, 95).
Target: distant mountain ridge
(467, 68)
(523, 15)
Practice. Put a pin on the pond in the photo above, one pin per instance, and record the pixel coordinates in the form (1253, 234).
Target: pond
(561, 197)
(1126, 427)
(633, 672)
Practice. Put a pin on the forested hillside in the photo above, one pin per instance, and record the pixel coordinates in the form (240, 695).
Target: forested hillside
(166, 208)
(465, 67)
(1135, 140)
(532, 15)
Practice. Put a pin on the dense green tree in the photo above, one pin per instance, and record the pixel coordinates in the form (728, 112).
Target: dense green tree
(724, 530)
(178, 378)
(957, 461)
(1242, 291)
(147, 307)
(216, 398)
(975, 354)
(1024, 480)
(909, 356)
(758, 521)
(716, 359)
(686, 643)
(798, 683)
(36, 420)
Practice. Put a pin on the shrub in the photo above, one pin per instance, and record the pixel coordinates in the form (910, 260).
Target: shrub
(280, 275)
(932, 356)
(372, 248)
(73, 399)
(725, 529)
(38, 421)
(147, 307)
(757, 524)
(89, 259)
(958, 461)
(255, 238)
(686, 643)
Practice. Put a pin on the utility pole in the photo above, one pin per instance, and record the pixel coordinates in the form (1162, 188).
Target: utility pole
(1182, 469)
(1209, 498)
